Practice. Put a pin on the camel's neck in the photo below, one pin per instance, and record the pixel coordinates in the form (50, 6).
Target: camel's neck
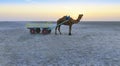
(77, 20)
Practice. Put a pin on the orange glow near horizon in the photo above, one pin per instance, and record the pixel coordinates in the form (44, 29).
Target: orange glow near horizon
(46, 12)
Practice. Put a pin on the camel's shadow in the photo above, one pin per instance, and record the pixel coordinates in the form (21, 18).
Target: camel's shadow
(65, 34)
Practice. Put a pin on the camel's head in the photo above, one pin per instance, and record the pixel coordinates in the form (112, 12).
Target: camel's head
(80, 15)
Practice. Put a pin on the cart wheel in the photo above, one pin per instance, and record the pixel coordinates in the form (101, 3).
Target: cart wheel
(32, 31)
(45, 31)
(38, 30)
(49, 31)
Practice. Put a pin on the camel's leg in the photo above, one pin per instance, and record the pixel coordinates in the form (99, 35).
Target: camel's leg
(56, 30)
(59, 29)
(70, 28)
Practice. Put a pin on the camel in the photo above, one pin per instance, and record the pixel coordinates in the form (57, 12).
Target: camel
(70, 22)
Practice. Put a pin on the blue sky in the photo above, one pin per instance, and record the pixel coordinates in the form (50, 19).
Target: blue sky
(62, 1)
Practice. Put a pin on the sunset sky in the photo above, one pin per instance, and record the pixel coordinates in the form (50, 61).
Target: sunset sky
(51, 10)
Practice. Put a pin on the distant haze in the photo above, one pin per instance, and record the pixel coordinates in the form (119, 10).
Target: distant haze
(51, 10)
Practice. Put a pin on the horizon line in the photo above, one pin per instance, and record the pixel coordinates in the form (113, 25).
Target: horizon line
(56, 21)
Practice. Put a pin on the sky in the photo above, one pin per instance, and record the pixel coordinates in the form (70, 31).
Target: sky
(52, 10)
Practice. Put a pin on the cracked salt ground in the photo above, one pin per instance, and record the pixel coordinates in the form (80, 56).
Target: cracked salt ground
(91, 44)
